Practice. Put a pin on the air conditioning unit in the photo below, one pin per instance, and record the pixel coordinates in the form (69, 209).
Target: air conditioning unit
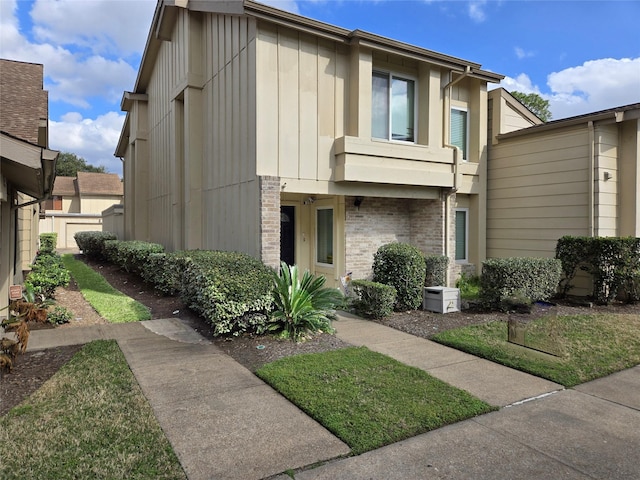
(441, 299)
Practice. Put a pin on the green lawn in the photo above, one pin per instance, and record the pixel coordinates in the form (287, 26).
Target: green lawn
(592, 346)
(368, 399)
(110, 303)
(90, 420)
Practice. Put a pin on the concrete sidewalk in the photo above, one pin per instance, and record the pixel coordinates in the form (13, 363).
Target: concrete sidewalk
(586, 433)
(495, 384)
(225, 423)
(222, 421)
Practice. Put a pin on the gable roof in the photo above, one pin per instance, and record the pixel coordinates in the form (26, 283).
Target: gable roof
(610, 115)
(166, 13)
(89, 183)
(64, 186)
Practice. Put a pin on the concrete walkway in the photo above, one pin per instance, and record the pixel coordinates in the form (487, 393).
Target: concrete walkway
(222, 421)
(491, 382)
(225, 423)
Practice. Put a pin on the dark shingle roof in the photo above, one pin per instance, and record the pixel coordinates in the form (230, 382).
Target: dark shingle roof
(99, 184)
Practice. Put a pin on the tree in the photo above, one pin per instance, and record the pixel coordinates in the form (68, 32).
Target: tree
(69, 164)
(534, 102)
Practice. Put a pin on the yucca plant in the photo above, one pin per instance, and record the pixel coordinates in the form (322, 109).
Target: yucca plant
(302, 306)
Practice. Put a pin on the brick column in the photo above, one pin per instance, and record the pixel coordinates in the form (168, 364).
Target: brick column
(270, 220)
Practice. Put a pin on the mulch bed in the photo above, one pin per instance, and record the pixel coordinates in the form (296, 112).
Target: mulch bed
(34, 368)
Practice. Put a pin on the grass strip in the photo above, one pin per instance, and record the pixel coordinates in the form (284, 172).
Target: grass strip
(367, 399)
(110, 303)
(90, 420)
(594, 345)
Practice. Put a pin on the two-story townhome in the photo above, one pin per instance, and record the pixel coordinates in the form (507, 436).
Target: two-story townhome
(257, 130)
(27, 168)
(77, 203)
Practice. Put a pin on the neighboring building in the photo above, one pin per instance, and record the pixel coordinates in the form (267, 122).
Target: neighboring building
(575, 176)
(258, 130)
(27, 168)
(77, 203)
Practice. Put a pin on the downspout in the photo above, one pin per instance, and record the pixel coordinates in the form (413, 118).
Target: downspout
(446, 134)
(591, 189)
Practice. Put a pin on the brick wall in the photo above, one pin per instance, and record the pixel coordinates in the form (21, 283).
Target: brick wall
(270, 220)
(379, 221)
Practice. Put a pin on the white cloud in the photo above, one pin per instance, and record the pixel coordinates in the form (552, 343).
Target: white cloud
(74, 75)
(593, 86)
(102, 26)
(93, 140)
(522, 53)
(522, 83)
(476, 11)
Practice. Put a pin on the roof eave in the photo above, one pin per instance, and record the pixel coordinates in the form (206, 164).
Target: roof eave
(31, 169)
(612, 115)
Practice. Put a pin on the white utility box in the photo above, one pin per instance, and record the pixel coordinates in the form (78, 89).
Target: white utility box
(441, 299)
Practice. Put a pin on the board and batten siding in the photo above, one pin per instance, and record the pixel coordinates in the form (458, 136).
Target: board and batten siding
(169, 67)
(230, 186)
(301, 103)
(538, 191)
(203, 188)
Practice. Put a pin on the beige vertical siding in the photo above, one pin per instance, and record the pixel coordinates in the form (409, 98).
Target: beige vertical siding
(629, 179)
(606, 189)
(301, 97)
(230, 187)
(538, 191)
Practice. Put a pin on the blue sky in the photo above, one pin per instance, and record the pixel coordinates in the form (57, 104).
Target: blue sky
(582, 56)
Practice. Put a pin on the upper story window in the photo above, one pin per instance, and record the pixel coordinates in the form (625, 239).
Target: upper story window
(460, 130)
(393, 107)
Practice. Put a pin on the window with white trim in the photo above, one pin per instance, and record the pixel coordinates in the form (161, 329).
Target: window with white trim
(324, 236)
(392, 107)
(460, 130)
(462, 234)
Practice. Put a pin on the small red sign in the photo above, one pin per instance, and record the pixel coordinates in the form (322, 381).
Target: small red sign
(15, 292)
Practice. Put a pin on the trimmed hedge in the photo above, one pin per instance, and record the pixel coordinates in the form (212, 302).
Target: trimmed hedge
(48, 243)
(436, 270)
(402, 266)
(130, 255)
(372, 299)
(164, 270)
(92, 243)
(231, 290)
(528, 278)
(613, 262)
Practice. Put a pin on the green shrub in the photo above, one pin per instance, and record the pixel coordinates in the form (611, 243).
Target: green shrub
(92, 243)
(402, 266)
(110, 251)
(613, 262)
(47, 273)
(164, 270)
(130, 255)
(48, 242)
(229, 289)
(59, 315)
(372, 299)
(304, 306)
(469, 286)
(436, 270)
(532, 278)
